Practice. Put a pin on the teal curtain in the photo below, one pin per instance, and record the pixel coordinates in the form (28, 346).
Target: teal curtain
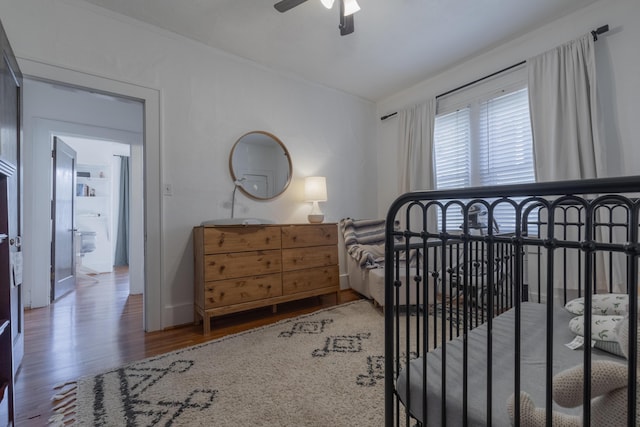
(122, 237)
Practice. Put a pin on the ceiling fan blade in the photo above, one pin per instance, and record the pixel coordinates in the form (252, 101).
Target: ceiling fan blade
(346, 22)
(346, 25)
(284, 5)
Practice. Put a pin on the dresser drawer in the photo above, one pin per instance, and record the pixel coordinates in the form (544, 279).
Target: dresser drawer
(238, 239)
(310, 279)
(235, 291)
(319, 256)
(241, 264)
(299, 236)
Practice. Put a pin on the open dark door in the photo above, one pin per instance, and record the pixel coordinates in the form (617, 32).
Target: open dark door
(11, 302)
(62, 248)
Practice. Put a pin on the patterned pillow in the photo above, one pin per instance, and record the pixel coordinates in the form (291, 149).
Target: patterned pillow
(601, 304)
(602, 331)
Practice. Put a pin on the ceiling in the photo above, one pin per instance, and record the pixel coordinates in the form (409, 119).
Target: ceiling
(396, 43)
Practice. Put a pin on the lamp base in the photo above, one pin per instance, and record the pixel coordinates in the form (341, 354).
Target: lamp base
(315, 218)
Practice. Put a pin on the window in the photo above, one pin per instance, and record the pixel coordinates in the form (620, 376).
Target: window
(485, 141)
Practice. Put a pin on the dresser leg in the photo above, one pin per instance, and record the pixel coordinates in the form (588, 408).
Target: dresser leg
(274, 308)
(337, 297)
(206, 324)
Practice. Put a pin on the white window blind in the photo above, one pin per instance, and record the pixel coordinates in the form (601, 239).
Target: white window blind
(486, 142)
(452, 136)
(505, 144)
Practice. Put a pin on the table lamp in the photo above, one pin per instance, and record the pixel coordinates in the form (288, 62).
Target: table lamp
(315, 190)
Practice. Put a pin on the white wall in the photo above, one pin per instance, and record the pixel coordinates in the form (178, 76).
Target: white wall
(208, 100)
(618, 68)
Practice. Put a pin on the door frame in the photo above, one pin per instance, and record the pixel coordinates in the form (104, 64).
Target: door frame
(153, 237)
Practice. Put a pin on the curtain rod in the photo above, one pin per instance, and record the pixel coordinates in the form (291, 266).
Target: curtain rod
(594, 33)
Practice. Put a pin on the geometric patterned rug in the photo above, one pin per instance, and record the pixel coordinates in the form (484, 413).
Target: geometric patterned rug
(320, 369)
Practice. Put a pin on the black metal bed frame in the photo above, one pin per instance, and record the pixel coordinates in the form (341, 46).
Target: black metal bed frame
(556, 223)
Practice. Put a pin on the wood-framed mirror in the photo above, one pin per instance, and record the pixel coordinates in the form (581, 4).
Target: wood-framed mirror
(260, 165)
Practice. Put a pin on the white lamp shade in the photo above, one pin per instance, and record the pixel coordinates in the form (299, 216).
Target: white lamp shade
(327, 3)
(350, 7)
(315, 189)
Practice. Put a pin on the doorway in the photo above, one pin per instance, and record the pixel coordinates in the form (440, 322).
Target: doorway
(81, 115)
(100, 217)
(147, 153)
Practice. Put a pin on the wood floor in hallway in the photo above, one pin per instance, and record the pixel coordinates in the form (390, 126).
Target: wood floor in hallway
(99, 326)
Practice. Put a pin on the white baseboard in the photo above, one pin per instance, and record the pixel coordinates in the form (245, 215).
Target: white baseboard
(344, 282)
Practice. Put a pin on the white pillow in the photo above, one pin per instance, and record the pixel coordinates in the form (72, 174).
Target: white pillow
(601, 304)
(602, 331)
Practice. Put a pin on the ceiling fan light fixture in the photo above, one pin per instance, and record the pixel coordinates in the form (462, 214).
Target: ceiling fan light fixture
(350, 7)
(327, 3)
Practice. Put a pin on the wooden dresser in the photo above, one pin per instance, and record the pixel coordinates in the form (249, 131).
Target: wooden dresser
(242, 267)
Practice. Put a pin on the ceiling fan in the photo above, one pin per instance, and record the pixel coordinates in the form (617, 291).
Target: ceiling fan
(347, 9)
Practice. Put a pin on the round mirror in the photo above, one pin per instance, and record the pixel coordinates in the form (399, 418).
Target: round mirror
(260, 165)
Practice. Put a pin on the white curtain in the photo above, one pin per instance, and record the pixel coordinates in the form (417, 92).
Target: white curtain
(415, 159)
(562, 98)
(416, 164)
(566, 135)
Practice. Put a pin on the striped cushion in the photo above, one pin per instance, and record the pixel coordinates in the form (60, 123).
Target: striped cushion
(364, 240)
(363, 231)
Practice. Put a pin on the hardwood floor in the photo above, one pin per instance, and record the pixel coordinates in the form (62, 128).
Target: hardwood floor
(99, 326)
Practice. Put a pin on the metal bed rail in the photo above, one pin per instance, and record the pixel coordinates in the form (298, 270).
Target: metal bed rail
(580, 237)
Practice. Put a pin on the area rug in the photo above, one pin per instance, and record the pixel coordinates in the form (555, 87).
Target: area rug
(321, 369)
